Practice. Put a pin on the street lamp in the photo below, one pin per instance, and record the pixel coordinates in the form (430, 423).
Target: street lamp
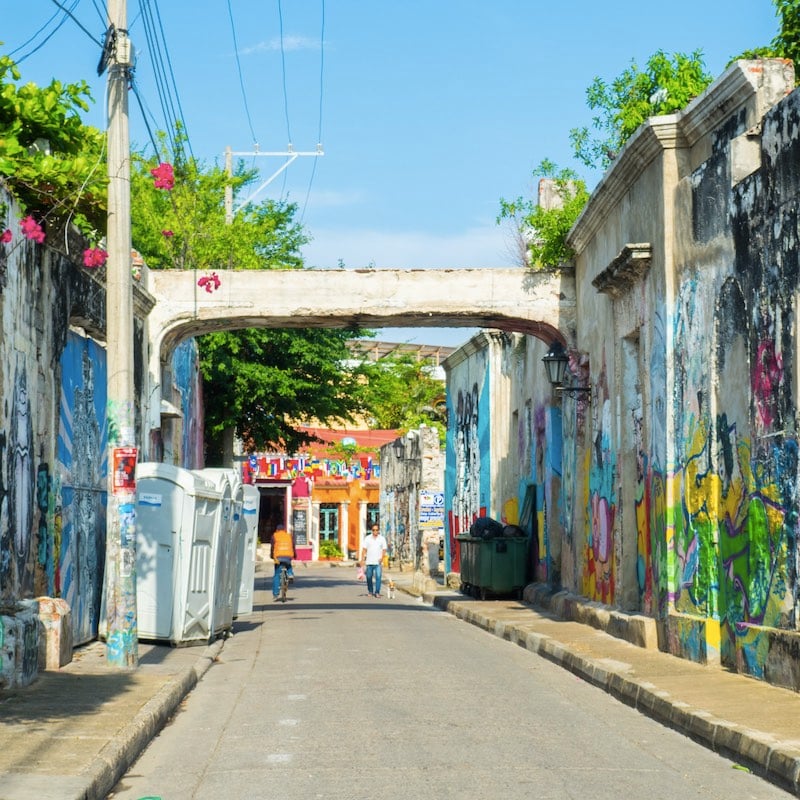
(555, 364)
(399, 447)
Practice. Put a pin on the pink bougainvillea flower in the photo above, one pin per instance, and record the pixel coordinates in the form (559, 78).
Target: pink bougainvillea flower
(31, 229)
(94, 257)
(6, 236)
(165, 178)
(167, 234)
(210, 282)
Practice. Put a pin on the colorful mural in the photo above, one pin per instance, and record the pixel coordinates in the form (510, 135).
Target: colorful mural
(79, 550)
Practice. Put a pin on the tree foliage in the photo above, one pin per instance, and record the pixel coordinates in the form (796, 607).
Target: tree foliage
(786, 43)
(542, 232)
(185, 228)
(402, 392)
(52, 162)
(263, 383)
(269, 383)
(666, 84)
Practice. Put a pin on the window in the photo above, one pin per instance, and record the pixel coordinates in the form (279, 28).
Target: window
(329, 522)
(373, 515)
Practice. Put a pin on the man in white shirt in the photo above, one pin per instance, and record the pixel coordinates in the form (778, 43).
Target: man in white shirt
(372, 554)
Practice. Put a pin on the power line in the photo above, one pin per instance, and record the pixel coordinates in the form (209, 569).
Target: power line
(135, 90)
(172, 78)
(319, 124)
(66, 14)
(163, 75)
(241, 78)
(283, 72)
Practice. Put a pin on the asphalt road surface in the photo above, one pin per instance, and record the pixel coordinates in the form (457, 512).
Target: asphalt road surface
(339, 695)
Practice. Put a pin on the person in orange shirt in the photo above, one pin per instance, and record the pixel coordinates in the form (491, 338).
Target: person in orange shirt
(283, 552)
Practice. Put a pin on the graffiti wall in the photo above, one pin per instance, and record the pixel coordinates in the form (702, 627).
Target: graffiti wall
(53, 427)
(693, 421)
(503, 450)
(78, 533)
(735, 549)
(467, 447)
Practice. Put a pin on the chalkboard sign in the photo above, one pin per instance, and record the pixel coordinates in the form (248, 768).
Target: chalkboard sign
(300, 526)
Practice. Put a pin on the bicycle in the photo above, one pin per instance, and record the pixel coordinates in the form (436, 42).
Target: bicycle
(284, 582)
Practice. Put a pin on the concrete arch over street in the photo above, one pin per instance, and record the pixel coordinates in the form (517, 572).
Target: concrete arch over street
(541, 304)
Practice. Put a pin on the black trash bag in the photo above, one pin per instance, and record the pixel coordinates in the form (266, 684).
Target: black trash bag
(486, 528)
(513, 532)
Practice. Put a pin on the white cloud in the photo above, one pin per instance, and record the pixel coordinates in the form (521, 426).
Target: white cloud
(290, 43)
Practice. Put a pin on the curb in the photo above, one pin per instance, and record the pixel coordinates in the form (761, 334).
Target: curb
(758, 751)
(117, 757)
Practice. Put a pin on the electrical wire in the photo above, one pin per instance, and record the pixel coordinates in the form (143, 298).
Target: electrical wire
(164, 78)
(159, 77)
(283, 72)
(67, 13)
(241, 78)
(319, 123)
(142, 108)
(181, 116)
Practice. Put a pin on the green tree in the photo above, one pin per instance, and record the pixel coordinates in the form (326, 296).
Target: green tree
(786, 43)
(263, 384)
(666, 84)
(185, 228)
(52, 163)
(267, 384)
(402, 392)
(541, 232)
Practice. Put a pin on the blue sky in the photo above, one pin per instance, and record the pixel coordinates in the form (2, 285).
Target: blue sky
(430, 111)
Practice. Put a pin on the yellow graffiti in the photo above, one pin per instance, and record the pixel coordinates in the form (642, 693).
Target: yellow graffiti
(510, 512)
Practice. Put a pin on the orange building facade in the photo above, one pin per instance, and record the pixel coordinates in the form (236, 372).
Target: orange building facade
(328, 497)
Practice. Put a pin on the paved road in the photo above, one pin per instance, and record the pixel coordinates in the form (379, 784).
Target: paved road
(339, 695)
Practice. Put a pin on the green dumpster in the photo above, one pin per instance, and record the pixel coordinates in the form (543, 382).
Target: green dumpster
(495, 566)
(468, 550)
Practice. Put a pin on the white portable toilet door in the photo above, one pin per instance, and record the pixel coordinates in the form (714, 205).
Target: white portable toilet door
(251, 500)
(157, 511)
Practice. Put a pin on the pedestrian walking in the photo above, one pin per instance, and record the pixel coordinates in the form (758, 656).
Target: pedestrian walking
(372, 555)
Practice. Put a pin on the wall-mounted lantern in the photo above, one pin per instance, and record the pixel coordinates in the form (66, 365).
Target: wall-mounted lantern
(555, 364)
(399, 447)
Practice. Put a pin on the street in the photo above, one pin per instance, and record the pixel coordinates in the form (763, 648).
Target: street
(339, 695)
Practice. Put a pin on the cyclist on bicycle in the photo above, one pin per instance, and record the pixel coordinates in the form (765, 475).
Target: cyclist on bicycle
(283, 552)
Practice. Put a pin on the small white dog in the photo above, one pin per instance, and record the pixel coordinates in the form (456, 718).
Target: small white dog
(390, 589)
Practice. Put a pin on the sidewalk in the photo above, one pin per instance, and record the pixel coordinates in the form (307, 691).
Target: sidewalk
(753, 723)
(73, 733)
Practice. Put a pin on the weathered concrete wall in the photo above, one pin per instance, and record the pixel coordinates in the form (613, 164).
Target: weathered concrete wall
(53, 429)
(503, 453)
(734, 578)
(421, 469)
(687, 274)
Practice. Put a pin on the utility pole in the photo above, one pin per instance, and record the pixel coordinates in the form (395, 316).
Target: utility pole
(122, 636)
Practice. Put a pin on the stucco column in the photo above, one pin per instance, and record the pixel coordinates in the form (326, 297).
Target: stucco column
(344, 526)
(314, 530)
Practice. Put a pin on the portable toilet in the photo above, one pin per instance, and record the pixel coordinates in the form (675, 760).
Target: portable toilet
(248, 541)
(177, 513)
(225, 480)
